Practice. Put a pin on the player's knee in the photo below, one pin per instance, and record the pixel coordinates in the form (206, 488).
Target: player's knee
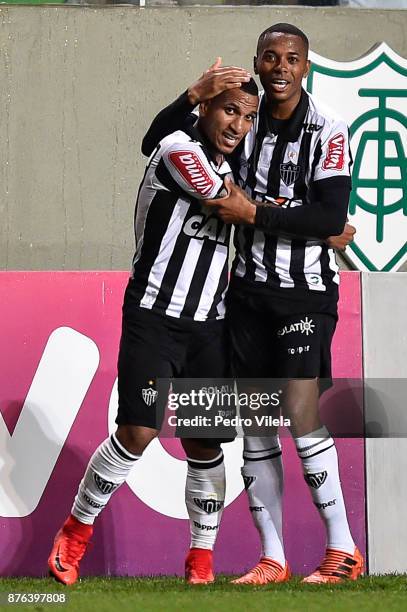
(201, 449)
(135, 438)
(300, 397)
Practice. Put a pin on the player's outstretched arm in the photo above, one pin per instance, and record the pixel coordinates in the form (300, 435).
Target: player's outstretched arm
(212, 82)
(326, 217)
(339, 243)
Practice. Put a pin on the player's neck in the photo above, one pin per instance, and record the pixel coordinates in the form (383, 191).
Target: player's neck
(283, 110)
(216, 155)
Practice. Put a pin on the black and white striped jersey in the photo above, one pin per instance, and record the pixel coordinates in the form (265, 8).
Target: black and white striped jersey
(283, 161)
(180, 263)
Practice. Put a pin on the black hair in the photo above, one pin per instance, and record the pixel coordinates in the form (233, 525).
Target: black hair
(283, 28)
(250, 87)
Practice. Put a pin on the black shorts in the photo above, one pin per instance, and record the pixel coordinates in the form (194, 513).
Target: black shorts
(266, 344)
(154, 346)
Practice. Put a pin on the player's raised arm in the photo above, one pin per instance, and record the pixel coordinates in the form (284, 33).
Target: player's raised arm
(215, 80)
(212, 82)
(326, 217)
(329, 192)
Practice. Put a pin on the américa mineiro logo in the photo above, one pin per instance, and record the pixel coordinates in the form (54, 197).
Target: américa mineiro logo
(370, 93)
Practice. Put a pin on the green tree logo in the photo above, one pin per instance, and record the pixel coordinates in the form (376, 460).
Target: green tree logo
(370, 93)
(381, 136)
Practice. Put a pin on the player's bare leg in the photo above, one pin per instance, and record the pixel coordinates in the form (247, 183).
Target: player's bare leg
(107, 470)
(204, 498)
(316, 449)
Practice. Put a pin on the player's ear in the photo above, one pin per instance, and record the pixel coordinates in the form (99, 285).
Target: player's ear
(255, 65)
(307, 69)
(203, 108)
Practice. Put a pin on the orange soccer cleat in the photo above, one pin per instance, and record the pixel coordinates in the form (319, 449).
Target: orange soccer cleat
(337, 566)
(199, 566)
(69, 547)
(266, 571)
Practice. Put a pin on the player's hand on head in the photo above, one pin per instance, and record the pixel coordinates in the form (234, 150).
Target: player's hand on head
(215, 79)
(343, 240)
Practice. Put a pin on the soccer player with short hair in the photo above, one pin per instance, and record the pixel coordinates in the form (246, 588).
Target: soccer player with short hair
(293, 170)
(173, 324)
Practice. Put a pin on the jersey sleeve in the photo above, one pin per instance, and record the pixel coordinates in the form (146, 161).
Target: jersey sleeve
(325, 217)
(187, 166)
(335, 159)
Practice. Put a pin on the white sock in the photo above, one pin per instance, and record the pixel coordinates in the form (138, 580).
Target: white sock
(205, 498)
(263, 477)
(321, 471)
(107, 469)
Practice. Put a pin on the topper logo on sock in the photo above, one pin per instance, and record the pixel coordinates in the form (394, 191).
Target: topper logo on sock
(325, 505)
(91, 502)
(248, 481)
(316, 480)
(104, 486)
(208, 505)
(206, 527)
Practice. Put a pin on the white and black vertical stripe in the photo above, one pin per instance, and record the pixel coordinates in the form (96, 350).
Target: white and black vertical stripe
(283, 165)
(175, 272)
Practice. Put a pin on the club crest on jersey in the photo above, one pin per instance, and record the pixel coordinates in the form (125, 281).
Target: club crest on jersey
(335, 156)
(190, 167)
(248, 481)
(289, 172)
(371, 97)
(104, 486)
(149, 396)
(316, 480)
(208, 505)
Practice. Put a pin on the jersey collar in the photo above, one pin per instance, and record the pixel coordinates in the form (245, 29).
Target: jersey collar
(292, 129)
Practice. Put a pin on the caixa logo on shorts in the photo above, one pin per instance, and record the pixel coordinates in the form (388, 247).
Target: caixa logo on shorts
(305, 326)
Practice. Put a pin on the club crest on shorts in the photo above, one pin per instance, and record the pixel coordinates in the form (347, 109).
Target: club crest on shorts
(208, 505)
(149, 396)
(289, 173)
(316, 480)
(370, 94)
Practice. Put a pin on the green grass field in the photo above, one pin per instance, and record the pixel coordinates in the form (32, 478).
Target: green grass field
(144, 594)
